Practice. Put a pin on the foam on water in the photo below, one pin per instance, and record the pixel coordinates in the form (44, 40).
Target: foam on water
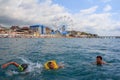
(32, 67)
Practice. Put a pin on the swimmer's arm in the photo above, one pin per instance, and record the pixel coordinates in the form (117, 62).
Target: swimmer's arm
(61, 65)
(10, 63)
(104, 62)
(107, 63)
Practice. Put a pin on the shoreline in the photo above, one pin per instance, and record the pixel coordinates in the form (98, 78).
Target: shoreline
(51, 36)
(56, 36)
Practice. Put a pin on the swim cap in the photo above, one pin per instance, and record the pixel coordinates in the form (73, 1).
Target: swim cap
(24, 66)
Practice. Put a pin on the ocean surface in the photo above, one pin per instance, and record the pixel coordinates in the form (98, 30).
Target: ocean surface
(77, 55)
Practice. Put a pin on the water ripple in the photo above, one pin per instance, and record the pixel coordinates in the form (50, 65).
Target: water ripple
(76, 54)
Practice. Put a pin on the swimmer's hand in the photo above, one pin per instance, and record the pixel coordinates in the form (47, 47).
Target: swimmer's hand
(4, 66)
(61, 65)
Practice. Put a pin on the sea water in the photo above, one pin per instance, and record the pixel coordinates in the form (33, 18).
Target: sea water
(77, 55)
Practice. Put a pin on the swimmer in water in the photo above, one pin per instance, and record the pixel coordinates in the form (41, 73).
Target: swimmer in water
(99, 60)
(21, 67)
(53, 65)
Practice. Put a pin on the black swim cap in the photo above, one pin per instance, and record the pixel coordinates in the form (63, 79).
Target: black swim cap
(24, 66)
(99, 57)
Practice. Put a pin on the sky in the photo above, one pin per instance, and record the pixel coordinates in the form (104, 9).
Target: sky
(100, 17)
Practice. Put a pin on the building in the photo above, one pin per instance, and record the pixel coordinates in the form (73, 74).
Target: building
(48, 30)
(41, 29)
(15, 28)
(26, 30)
(3, 30)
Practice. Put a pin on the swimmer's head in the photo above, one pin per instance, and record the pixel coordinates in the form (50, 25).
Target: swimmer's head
(50, 65)
(99, 57)
(24, 66)
(99, 60)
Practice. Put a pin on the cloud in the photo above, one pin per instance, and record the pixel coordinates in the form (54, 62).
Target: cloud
(28, 12)
(89, 11)
(107, 8)
(99, 23)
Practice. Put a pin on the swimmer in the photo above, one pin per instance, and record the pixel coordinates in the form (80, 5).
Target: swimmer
(53, 65)
(21, 67)
(99, 60)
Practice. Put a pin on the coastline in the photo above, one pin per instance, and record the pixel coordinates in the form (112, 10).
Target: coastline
(52, 36)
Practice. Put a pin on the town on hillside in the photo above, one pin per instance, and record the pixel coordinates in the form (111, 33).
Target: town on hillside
(41, 31)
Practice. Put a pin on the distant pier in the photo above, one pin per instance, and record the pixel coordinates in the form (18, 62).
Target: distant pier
(108, 37)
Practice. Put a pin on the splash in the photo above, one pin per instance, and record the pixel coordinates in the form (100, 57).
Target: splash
(32, 68)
